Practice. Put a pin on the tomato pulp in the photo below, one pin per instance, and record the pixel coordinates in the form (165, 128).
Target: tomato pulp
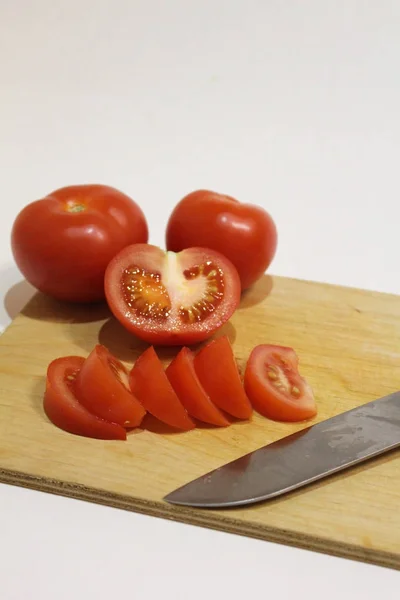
(63, 243)
(168, 298)
(275, 387)
(244, 233)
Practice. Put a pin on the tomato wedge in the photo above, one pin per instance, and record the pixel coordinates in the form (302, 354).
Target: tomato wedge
(217, 370)
(183, 378)
(168, 298)
(150, 384)
(275, 387)
(102, 386)
(63, 408)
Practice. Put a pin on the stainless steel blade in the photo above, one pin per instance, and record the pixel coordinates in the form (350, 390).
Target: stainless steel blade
(298, 459)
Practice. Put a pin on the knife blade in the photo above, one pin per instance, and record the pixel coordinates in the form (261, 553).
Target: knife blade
(298, 459)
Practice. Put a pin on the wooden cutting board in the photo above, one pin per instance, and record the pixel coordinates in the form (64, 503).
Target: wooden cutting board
(348, 342)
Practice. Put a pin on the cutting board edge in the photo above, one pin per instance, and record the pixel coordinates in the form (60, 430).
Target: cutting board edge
(332, 284)
(201, 518)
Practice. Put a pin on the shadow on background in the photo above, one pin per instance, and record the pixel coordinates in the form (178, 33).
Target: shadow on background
(14, 293)
(37, 394)
(44, 308)
(17, 297)
(257, 292)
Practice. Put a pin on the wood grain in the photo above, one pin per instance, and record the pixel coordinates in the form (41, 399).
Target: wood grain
(348, 344)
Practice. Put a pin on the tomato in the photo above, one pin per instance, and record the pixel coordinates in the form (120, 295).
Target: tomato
(182, 376)
(244, 233)
(63, 408)
(217, 370)
(275, 387)
(102, 386)
(63, 243)
(167, 298)
(150, 384)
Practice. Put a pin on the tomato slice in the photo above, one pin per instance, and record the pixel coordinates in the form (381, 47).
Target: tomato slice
(183, 378)
(150, 384)
(275, 387)
(168, 298)
(63, 408)
(217, 370)
(102, 386)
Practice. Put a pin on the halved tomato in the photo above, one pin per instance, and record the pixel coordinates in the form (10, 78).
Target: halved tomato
(218, 372)
(102, 386)
(64, 409)
(183, 378)
(275, 387)
(150, 384)
(168, 298)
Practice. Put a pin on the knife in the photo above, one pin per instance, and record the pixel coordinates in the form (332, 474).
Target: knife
(298, 459)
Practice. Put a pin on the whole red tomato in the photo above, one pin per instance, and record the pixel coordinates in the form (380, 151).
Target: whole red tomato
(63, 243)
(244, 233)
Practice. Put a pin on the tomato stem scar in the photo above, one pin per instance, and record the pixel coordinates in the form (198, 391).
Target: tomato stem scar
(74, 207)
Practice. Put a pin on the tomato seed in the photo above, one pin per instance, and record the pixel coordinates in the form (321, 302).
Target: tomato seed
(145, 293)
(192, 273)
(213, 295)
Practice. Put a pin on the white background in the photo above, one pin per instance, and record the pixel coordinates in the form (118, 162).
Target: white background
(292, 105)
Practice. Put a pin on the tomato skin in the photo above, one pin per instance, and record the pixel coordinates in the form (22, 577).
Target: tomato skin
(151, 386)
(217, 370)
(244, 233)
(183, 378)
(63, 243)
(106, 394)
(64, 409)
(171, 331)
(278, 403)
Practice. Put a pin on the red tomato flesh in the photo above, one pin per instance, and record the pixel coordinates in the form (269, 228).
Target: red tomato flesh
(64, 409)
(245, 233)
(218, 372)
(168, 299)
(151, 386)
(183, 378)
(63, 243)
(102, 386)
(275, 387)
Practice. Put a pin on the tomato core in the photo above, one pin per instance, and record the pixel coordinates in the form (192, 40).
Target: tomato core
(188, 296)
